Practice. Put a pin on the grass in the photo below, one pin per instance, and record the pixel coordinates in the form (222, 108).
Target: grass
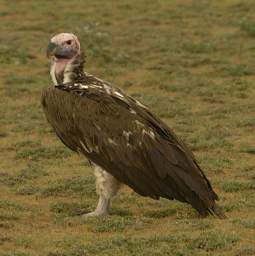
(192, 63)
(249, 150)
(249, 27)
(43, 152)
(235, 186)
(81, 185)
(209, 241)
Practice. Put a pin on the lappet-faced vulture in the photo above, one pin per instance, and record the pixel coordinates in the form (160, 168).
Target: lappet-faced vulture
(120, 136)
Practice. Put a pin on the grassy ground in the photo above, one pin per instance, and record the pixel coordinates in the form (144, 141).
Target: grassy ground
(192, 62)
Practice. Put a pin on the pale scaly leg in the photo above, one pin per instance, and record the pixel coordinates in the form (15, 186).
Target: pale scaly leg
(107, 187)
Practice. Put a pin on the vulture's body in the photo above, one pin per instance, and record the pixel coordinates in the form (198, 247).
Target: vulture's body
(119, 134)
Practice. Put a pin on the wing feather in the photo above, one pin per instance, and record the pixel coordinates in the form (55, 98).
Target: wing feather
(130, 143)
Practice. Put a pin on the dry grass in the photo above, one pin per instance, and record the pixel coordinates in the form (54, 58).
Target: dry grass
(192, 62)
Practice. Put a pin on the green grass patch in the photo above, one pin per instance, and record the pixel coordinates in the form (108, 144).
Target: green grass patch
(249, 150)
(246, 250)
(66, 209)
(7, 204)
(31, 172)
(167, 108)
(160, 213)
(116, 224)
(17, 253)
(249, 223)
(202, 47)
(44, 153)
(121, 245)
(27, 190)
(247, 123)
(198, 224)
(213, 240)
(16, 56)
(8, 216)
(235, 186)
(249, 27)
(78, 184)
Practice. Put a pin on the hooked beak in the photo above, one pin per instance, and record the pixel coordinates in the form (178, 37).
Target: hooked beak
(52, 49)
(59, 52)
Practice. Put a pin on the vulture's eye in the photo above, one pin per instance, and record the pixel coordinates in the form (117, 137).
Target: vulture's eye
(69, 42)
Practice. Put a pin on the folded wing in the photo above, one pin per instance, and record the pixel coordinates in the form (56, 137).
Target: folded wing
(122, 136)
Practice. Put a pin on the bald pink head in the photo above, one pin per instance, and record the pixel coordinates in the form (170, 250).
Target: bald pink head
(63, 49)
(64, 46)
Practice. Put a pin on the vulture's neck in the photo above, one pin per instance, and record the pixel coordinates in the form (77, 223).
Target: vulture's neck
(71, 71)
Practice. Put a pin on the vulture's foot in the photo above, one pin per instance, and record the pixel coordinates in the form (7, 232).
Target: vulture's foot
(95, 214)
(77, 220)
(101, 210)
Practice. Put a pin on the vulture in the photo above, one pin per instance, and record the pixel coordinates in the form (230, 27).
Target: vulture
(124, 141)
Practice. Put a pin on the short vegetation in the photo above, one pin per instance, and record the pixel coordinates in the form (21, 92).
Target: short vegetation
(192, 63)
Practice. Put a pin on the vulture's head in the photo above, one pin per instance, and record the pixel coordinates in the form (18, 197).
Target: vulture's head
(64, 46)
(63, 49)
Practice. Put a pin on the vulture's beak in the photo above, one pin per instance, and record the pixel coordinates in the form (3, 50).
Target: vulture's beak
(58, 51)
(52, 49)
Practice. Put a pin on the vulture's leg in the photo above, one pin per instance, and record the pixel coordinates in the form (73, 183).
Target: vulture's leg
(107, 187)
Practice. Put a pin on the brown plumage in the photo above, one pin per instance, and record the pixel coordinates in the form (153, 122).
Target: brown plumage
(122, 136)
